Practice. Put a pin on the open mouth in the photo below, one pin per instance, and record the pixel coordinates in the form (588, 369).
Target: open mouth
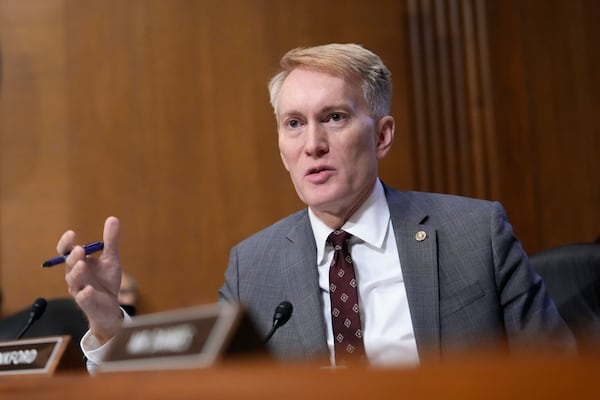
(315, 171)
(319, 175)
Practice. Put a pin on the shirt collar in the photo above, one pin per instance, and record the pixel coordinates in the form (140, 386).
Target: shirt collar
(369, 223)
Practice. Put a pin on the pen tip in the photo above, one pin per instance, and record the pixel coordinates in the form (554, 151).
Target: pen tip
(46, 264)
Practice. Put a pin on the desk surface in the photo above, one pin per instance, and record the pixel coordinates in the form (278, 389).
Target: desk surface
(475, 378)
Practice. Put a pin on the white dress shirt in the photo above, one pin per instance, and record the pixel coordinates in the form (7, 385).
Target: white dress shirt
(93, 351)
(387, 327)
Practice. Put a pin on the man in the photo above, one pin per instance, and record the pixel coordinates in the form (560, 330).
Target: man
(431, 274)
(128, 294)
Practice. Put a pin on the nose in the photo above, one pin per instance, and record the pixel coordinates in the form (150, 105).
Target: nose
(316, 143)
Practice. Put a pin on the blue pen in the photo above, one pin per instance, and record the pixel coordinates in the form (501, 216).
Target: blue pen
(88, 248)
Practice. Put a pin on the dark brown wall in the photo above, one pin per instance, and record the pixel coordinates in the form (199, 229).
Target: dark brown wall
(545, 58)
(504, 100)
(157, 112)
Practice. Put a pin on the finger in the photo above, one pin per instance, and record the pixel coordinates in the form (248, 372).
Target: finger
(66, 242)
(77, 254)
(76, 277)
(112, 228)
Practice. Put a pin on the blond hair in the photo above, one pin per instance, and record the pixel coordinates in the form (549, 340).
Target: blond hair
(350, 61)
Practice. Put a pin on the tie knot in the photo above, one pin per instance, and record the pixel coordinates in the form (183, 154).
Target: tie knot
(339, 238)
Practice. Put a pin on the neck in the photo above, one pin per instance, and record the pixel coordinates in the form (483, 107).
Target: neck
(336, 219)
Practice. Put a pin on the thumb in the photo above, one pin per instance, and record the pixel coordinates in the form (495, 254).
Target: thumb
(112, 228)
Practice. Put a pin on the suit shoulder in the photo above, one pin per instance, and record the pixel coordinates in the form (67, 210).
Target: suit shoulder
(410, 205)
(277, 230)
(442, 199)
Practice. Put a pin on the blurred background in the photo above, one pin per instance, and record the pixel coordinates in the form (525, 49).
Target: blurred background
(157, 112)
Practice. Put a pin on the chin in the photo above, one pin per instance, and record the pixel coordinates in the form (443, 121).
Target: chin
(323, 197)
(325, 204)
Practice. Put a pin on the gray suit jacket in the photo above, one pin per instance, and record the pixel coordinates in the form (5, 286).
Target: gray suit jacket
(468, 283)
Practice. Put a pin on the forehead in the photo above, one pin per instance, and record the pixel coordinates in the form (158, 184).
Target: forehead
(306, 89)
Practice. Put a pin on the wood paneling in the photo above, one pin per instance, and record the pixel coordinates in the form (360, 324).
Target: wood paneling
(34, 148)
(504, 97)
(452, 100)
(544, 69)
(157, 112)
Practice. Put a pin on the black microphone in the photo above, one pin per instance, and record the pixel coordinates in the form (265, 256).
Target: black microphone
(37, 309)
(282, 314)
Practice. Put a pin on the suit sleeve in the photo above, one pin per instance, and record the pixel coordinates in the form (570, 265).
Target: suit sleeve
(530, 315)
(230, 290)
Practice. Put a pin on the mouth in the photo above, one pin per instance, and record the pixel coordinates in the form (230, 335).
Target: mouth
(317, 170)
(319, 175)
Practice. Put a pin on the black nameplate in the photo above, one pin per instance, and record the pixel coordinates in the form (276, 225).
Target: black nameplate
(189, 338)
(32, 356)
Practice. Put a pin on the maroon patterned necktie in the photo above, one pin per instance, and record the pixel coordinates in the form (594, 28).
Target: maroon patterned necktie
(345, 315)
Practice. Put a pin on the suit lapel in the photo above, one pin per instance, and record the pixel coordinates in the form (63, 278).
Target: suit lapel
(419, 263)
(302, 284)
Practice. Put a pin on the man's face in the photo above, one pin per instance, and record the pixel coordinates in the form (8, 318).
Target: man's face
(127, 293)
(328, 141)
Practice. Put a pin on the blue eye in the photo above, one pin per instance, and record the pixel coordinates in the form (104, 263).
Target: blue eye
(293, 123)
(336, 117)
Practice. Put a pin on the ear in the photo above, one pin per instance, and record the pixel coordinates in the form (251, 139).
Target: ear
(385, 136)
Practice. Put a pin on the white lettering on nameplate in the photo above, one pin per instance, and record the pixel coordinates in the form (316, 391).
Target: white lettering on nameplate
(18, 357)
(172, 339)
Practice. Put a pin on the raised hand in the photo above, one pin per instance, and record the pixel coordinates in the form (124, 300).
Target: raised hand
(94, 281)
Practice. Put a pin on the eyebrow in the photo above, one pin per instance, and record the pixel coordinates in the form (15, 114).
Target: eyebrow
(344, 107)
(328, 109)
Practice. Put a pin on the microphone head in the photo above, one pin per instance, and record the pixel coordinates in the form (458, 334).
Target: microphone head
(37, 308)
(283, 312)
